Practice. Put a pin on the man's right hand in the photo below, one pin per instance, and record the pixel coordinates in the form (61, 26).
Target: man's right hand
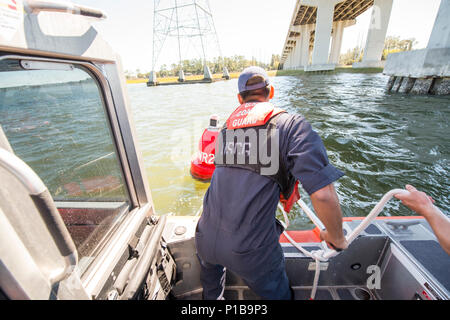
(338, 243)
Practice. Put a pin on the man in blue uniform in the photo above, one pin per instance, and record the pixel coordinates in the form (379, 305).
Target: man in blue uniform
(238, 229)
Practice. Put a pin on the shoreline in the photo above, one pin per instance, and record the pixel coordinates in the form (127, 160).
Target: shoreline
(271, 73)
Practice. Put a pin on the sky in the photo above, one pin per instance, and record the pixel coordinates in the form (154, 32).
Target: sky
(246, 27)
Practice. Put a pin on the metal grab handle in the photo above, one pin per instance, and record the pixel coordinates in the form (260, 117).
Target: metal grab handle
(47, 209)
(361, 227)
(63, 6)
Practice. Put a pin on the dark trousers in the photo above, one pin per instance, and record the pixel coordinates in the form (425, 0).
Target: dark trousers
(271, 283)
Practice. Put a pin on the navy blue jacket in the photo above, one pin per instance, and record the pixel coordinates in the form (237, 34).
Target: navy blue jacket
(239, 206)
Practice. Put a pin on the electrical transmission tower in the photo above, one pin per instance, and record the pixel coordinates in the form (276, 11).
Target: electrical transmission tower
(182, 30)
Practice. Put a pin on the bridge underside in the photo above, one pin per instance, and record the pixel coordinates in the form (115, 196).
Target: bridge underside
(315, 22)
(347, 10)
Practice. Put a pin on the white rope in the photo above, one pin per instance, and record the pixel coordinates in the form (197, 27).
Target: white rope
(199, 211)
(311, 215)
(286, 219)
(316, 280)
(311, 254)
(325, 253)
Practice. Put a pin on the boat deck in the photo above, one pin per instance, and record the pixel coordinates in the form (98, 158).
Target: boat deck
(411, 262)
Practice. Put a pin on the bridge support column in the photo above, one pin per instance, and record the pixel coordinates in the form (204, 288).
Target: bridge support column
(381, 13)
(287, 63)
(292, 58)
(305, 40)
(338, 34)
(298, 53)
(440, 35)
(336, 44)
(425, 71)
(324, 21)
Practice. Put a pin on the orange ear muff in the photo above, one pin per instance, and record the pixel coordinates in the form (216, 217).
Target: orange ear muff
(240, 99)
(272, 92)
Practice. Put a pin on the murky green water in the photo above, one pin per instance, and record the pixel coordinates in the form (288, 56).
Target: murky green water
(381, 141)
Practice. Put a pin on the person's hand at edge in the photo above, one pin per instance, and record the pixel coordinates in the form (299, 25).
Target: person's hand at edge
(417, 201)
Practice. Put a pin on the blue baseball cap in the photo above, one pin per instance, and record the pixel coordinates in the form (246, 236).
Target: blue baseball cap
(249, 73)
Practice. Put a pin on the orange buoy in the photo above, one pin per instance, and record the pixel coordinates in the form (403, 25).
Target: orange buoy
(202, 163)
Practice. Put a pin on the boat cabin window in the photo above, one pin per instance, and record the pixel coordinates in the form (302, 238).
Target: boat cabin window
(55, 120)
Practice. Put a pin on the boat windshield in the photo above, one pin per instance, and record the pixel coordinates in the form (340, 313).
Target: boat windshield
(55, 120)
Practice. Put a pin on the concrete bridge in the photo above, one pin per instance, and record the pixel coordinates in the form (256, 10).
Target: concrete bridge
(316, 23)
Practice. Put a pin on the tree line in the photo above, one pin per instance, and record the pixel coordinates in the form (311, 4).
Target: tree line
(235, 63)
(391, 45)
